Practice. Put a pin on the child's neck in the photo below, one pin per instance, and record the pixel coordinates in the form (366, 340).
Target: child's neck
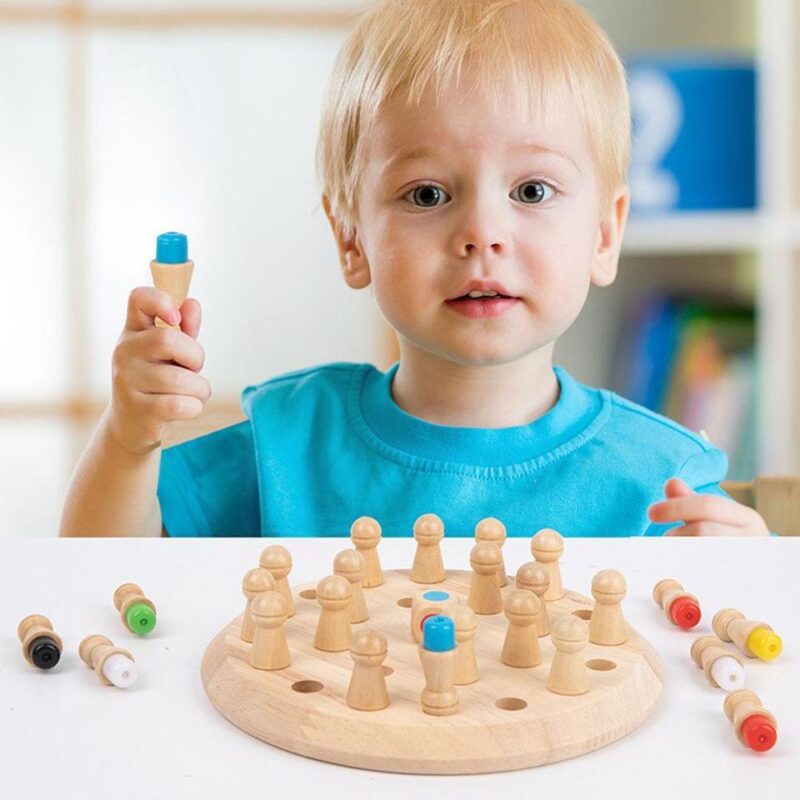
(496, 396)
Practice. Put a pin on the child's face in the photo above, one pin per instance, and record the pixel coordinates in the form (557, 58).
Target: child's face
(494, 210)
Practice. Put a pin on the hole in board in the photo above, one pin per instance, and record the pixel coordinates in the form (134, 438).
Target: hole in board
(601, 664)
(309, 594)
(387, 670)
(583, 613)
(307, 687)
(404, 602)
(511, 703)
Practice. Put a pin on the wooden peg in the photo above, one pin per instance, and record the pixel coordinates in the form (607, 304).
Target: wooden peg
(428, 566)
(491, 529)
(365, 534)
(484, 593)
(755, 727)
(547, 547)
(41, 645)
(350, 564)
(430, 603)
(137, 612)
(466, 662)
(254, 582)
(278, 560)
(270, 650)
(682, 608)
(367, 690)
(536, 578)
(333, 629)
(114, 666)
(722, 667)
(568, 674)
(754, 639)
(607, 625)
(521, 645)
(437, 652)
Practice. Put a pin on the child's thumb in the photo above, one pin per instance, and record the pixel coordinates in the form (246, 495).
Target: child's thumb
(675, 487)
(191, 315)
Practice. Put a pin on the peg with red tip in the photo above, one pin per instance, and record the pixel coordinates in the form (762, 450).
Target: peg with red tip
(755, 727)
(682, 608)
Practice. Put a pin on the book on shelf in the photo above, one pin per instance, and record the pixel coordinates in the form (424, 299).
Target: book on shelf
(694, 362)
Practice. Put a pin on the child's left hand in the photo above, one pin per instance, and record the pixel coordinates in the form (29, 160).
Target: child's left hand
(705, 514)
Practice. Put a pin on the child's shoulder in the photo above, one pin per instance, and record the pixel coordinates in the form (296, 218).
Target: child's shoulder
(656, 437)
(322, 380)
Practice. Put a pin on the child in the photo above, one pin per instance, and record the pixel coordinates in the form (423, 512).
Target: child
(473, 157)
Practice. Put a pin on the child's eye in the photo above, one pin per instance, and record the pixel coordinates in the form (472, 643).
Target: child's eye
(533, 196)
(425, 195)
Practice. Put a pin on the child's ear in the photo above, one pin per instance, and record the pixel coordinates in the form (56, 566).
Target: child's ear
(609, 239)
(352, 259)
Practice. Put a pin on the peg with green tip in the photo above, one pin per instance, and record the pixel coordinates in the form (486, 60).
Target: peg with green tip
(137, 612)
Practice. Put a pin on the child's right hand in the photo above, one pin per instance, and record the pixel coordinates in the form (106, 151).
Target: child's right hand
(155, 370)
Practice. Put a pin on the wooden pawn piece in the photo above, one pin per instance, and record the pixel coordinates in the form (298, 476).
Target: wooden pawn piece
(568, 675)
(367, 690)
(536, 578)
(754, 639)
(278, 560)
(681, 608)
(521, 645)
(437, 652)
(484, 593)
(137, 612)
(270, 650)
(428, 566)
(490, 529)
(41, 645)
(365, 534)
(113, 665)
(547, 547)
(350, 564)
(607, 625)
(254, 582)
(172, 278)
(466, 662)
(755, 726)
(333, 629)
(722, 667)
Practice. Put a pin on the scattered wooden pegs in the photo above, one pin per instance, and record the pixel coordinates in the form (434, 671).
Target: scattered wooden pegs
(137, 612)
(113, 665)
(754, 639)
(680, 606)
(41, 645)
(755, 727)
(722, 667)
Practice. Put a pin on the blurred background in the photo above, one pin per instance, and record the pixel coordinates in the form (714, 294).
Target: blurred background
(122, 119)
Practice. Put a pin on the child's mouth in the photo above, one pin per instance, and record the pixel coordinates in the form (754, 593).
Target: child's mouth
(481, 307)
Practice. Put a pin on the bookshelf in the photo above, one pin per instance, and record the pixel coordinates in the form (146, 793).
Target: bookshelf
(752, 254)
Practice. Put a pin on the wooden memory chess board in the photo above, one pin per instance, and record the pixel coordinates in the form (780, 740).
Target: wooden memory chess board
(507, 720)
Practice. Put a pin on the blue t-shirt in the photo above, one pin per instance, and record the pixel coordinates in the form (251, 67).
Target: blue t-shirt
(323, 446)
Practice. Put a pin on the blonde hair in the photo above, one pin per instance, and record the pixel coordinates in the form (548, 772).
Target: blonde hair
(533, 47)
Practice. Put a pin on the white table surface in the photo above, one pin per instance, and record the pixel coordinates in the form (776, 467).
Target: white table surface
(64, 734)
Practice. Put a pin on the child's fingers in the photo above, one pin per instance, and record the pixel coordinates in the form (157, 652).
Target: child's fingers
(705, 528)
(145, 303)
(696, 507)
(191, 317)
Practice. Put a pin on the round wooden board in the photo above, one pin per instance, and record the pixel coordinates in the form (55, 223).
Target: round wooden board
(302, 708)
